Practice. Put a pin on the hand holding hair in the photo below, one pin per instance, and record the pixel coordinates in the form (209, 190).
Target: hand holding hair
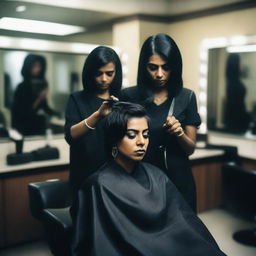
(106, 106)
(89, 123)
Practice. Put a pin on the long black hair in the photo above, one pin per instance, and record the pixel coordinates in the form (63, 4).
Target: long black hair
(98, 58)
(115, 125)
(164, 46)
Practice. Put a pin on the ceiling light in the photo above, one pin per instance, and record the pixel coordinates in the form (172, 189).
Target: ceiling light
(41, 27)
(21, 8)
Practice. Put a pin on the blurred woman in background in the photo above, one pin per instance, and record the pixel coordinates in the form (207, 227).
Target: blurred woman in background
(30, 97)
(236, 118)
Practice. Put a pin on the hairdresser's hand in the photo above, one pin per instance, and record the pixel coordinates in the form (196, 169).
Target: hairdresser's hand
(105, 107)
(173, 126)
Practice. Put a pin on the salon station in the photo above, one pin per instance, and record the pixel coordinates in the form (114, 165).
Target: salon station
(206, 36)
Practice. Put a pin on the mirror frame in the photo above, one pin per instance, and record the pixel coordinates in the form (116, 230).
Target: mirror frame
(234, 43)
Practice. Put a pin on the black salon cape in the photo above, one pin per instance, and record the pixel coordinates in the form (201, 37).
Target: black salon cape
(131, 214)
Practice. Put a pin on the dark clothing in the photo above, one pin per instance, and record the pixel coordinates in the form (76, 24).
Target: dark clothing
(24, 118)
(87, 153)
(176, 165)
(236, 116)
(137, 214)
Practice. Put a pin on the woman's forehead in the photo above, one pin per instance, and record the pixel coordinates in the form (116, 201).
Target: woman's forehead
(108, 67)
(156, 59)
(137, 123)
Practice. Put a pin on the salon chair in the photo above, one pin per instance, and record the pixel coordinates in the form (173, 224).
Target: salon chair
(240, 198)
(49, 203)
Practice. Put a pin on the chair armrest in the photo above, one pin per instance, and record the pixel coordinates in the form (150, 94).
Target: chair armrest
(60, 217)
(232, 166)
(48, 194)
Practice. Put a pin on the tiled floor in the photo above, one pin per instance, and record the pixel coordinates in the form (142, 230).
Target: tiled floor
(220, 223)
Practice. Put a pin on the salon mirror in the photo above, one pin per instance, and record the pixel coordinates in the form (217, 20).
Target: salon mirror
(227, 95)
(64, 63)
(62, 75)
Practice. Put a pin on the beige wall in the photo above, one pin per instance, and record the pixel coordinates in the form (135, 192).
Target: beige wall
(148, 28)
(129, 36)
(126, 37)
(189, 34)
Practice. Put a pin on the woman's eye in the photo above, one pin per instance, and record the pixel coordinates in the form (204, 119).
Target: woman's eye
(98, 73)
(146, 135)
(130, 135)
(152, 67)
(110, 73)
(166, 67)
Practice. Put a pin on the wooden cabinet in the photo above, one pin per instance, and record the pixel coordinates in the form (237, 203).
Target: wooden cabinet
(248, 163)
(208, 178)
(208, 185)
(16, 223)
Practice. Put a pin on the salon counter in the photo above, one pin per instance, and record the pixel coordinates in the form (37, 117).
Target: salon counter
(246, 144)
(30, 145)
(16, 223)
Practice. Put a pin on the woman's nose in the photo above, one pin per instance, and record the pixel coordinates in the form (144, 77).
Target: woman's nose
(159, 73)
(104, 77)
(141, 140)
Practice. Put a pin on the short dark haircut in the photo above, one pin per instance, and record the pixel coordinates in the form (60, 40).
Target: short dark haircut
(28, 64)
(115, 125)
(98, 58)
(164, 46)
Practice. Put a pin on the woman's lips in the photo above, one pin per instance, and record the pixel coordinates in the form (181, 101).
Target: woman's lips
(140, 152)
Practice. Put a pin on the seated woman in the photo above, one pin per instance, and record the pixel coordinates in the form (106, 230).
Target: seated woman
(129, 207)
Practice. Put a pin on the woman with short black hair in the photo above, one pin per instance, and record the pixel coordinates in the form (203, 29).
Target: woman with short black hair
(129, 207)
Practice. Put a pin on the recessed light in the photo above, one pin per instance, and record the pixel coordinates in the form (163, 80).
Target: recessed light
(41, 27)
(21, 8)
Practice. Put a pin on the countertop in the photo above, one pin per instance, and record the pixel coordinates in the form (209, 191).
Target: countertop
(9, 147)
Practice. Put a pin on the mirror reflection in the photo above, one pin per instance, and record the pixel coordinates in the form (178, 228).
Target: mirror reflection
(36, 88)
(231, 105)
